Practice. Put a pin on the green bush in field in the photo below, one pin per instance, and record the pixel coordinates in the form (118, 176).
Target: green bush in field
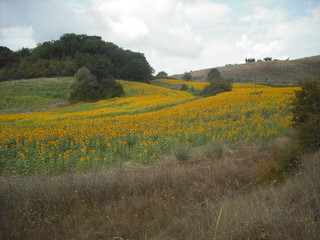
(184, 87)
(283, 163)
(217, 84)
(89, 88)
(187, 76)
(306, 115)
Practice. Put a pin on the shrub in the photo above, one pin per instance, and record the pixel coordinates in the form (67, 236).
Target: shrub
(306, 115)
(217, 84)
(187, 76)
(88, 88)
(182, 154)
(213, 75)
(283, 163)
(184, 87)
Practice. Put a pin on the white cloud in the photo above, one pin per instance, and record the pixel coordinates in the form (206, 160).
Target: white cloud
(205, 11)
(262, 14)
(174, 35)
(17, 37)
(130, 28)
(244, 43)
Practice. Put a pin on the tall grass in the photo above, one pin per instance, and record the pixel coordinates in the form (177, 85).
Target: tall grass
(207, 199)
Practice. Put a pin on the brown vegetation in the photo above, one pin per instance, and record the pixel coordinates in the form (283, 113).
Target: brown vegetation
(211, 195)
(272, 72)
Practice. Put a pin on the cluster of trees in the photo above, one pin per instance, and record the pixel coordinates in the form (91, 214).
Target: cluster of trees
(217, 83)
(65, 56)
(266, 59)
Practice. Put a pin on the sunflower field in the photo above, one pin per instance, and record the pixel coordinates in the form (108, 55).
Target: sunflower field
(138, 127)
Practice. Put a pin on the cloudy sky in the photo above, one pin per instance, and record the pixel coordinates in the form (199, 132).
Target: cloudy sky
(175, 35)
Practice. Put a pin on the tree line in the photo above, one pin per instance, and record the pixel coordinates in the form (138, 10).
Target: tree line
(63, 57)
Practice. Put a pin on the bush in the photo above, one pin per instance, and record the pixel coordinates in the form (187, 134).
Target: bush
(283, 163)
(184, 87)
(213, 75)
(183, 154)
(187, 76)
(217, 84)
(215, 88)
(88, 88)
(306, 115)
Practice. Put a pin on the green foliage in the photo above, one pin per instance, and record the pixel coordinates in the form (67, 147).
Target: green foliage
(248, 60)
(187, 76)
(213, 75)
(161, 75)
(184, 87)
(88, 88)
(217, 84)
(71, 52)
(183, 154)
(136, 70)
(306, 115)
(284, 163)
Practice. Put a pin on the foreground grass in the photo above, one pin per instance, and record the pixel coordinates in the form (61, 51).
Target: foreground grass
(205, 196)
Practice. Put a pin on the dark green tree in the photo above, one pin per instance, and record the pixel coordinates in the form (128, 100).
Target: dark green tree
(213, 75)
(137, 69)
(87, 88)
(161, 75)
(306, 115)
(187, 76)
(217, 84)
(7, 57)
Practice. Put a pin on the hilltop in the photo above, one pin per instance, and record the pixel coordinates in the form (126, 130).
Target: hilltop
(272, 72)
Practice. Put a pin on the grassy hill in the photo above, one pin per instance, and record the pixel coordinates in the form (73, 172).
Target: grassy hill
(274, 72)
(31, 95)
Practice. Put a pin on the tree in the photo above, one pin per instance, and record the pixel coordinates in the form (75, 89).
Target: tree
(161, 75)
(85, 87)
(187, 76)
(217, 84)
(213, 75)
(70, 52)
(88, 88)
(248, 60)
(306, 115)
(138, 70)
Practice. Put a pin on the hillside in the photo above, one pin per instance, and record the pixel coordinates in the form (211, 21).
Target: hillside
(274, 72)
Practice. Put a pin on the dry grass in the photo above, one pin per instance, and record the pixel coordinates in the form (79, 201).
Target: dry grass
(204, 198)
(274, 72)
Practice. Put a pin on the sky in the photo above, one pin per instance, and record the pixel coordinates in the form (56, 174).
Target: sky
(176, 36)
